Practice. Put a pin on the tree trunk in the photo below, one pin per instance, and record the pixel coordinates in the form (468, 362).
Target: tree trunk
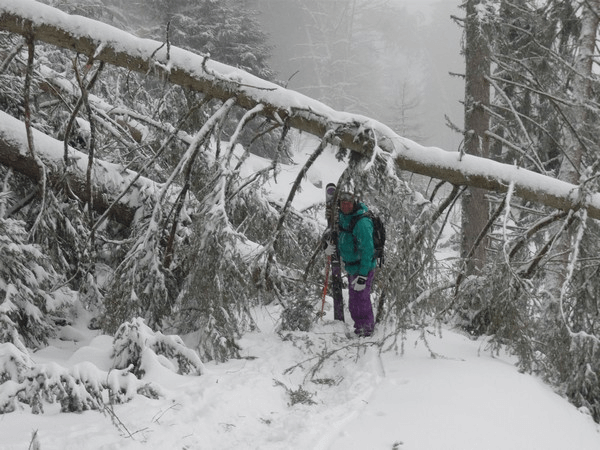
(477, 101)
(571, 169)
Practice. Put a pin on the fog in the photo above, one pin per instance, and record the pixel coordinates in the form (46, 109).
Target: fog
(389, 59)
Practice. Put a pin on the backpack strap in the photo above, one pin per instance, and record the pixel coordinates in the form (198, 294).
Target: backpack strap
(353, 223)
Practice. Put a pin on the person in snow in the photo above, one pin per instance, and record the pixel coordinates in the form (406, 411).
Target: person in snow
(357, 252)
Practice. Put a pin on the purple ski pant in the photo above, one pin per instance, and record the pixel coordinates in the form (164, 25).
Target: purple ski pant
(359, 304)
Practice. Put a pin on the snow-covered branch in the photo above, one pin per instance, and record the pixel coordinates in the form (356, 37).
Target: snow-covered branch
(83, 387)
(358, 133)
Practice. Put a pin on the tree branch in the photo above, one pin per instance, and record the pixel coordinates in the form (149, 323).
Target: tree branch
(357, 133)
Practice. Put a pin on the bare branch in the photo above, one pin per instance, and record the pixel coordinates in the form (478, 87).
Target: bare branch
(328, 138)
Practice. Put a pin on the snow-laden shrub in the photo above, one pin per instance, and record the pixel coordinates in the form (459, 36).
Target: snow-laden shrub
(569, 330)
(14, 362)
(299, 315)
(29, 299)
(553, 332)
(135, 339)
(84, 387)
(141, 286)
(498, 303)
(583, 386)
(214, 300)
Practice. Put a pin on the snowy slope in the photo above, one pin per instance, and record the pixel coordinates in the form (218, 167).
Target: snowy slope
(440, 393)
(463, 399)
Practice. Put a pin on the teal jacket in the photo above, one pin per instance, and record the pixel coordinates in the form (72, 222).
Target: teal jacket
(356, 249)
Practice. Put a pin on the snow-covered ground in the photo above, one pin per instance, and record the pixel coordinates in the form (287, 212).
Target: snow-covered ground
(445, 392)
(438, 391)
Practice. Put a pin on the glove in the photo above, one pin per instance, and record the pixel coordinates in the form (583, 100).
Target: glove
(329, 248)
(359, 283)
(328, 242)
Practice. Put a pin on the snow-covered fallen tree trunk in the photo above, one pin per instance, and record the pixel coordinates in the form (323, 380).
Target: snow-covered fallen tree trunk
(358, 133)
(109, 180)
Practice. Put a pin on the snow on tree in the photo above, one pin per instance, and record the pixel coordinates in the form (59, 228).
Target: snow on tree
(31, 301)
(357, 133)
(199, 202)
(136, 346)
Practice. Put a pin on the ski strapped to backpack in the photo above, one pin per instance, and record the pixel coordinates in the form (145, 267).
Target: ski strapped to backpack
(378, 233)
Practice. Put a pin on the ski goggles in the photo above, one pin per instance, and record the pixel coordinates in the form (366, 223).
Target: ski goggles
(346, 197)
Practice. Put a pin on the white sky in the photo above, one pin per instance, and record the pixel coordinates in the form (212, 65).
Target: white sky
(424, 6)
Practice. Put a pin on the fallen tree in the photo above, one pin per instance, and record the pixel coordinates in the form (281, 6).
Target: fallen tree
(358, 133)
(107, 187)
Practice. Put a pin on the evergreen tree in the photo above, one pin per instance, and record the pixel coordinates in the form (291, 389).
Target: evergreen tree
(543, 110)
(34, 298)
(225, 30)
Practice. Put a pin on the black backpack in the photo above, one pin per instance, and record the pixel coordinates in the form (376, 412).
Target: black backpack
(378, 233)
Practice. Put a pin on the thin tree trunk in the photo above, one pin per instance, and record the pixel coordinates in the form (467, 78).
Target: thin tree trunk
(477, 100)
